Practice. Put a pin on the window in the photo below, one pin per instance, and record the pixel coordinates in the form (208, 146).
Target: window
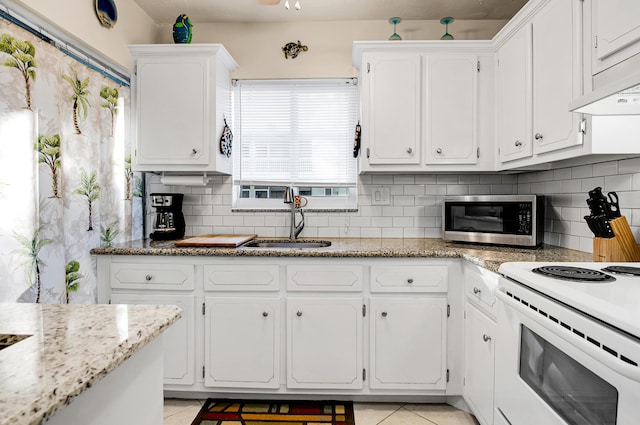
(295, 132)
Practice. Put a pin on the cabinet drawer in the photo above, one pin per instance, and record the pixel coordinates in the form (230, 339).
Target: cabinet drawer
(409, 278)
(325, 277)
(480, 287)
(227, 277)
(178, 277)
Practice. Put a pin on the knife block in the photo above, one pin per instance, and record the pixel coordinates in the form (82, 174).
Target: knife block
(621, 248)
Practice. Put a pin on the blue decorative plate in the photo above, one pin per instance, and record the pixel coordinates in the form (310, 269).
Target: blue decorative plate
(107, 12)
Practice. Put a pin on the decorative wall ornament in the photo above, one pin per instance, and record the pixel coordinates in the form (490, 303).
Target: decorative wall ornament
(226, 140)
(107, 12)
(182, 30)
(293, 49)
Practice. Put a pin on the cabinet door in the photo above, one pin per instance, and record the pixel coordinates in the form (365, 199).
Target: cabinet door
(172, 110)
(179, 338)
(408, 343)
(242, 342)
(479, 364)
(514, 97)
(324, 343)
(451, 109)
(554, 68)
(616, 24)
(392, 108)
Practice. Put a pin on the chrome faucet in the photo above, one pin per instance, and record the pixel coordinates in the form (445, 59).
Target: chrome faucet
(290, 198)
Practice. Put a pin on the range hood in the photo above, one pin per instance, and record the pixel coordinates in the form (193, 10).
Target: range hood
(621, 97)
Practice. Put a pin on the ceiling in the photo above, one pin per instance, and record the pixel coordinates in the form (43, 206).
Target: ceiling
(210, 11)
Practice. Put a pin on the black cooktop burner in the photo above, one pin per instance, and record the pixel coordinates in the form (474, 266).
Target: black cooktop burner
(628, 270)
(575, 274)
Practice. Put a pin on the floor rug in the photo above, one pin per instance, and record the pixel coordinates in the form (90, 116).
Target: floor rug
(270, 412)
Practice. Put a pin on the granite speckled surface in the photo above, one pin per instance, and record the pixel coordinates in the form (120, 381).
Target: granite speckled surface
(489, 257)
(69, 348)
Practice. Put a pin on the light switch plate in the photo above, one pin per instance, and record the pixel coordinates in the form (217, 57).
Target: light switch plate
(380, 196)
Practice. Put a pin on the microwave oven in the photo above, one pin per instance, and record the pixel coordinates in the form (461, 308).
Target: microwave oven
(516, 220)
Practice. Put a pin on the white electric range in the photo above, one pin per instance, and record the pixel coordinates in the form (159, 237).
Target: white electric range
(568, 344)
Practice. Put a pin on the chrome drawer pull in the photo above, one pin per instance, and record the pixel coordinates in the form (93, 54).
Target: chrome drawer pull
(265, 314)
(299, 313)
(148, 277)
(384, 314)
(476, 290)
(486, 338)
(410, 281)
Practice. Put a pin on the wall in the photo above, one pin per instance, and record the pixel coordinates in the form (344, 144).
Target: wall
(78, 19)
(415, 210)
(567, 189)
(257, 47)
(416, 204)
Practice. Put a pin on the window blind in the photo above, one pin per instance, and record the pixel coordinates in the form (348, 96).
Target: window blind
(296, 132)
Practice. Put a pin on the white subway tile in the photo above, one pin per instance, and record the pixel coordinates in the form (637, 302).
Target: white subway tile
(402, 200)
(468, 179)
(254, 220)
(425, 179)
(608, 168)
(453, 189)
(413, 233)
(370, 210)
(436, 189)
(413, 211)
(381, 221)
(414, 189)
(490, 179)
(392, 211)
(381, 179)
(562, 174)
(509, 179)
(371, 232)
(202, 209)
(328, 232)
(396, 190)
(233, 221)
(447, 179)
(402, 221)
(431, 232)
(392, 232)
(403, 179)
(628, 166)
(212, 220)
(582, 171)
(621, 182)
(590, 184)
(503, 189)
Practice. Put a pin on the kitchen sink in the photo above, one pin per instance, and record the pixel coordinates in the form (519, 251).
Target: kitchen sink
(287, 244)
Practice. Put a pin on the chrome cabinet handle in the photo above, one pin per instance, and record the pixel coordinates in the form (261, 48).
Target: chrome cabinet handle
(148, 277)
(476, 290)
(384, 314)
(409, 151)
(486, 338)
(265, 314)
(538, 136)
(194, 151)
(410, 281)
(518, 143)
(299, 313)
(438, 150)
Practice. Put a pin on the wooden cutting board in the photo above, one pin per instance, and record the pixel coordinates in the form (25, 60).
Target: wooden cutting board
(225, 241)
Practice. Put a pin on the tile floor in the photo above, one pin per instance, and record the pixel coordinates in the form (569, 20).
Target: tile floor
(182, 412)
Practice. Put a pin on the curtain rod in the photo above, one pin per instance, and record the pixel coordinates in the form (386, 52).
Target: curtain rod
(77, 53)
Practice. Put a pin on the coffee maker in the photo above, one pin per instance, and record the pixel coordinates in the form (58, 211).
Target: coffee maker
(169, 220)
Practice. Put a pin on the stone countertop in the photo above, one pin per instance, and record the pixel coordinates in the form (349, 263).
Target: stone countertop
(69, 349)
(489, 257)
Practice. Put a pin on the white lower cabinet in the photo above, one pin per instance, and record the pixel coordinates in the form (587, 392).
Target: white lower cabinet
(408, 343)
(179, 339)
(282, 325)
(242, 342)
(479, 363)
(324, 343)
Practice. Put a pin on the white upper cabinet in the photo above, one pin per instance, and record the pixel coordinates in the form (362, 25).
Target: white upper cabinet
(426, 106)
(556, 77)
(514, 97)
(615, 31)
(538, 73)
(180, 97)
(392, 107)
(451, 129)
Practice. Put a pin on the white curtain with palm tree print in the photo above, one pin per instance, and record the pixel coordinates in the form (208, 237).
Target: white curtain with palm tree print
(66, 184)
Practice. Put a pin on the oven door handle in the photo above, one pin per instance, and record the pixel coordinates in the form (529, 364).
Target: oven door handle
(613, 362)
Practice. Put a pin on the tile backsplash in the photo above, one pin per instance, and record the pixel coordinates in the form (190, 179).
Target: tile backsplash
(415, 209)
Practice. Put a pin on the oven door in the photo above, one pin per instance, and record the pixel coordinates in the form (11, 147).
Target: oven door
(555, 366)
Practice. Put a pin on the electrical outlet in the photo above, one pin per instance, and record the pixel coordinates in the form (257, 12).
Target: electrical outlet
(380, 196)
